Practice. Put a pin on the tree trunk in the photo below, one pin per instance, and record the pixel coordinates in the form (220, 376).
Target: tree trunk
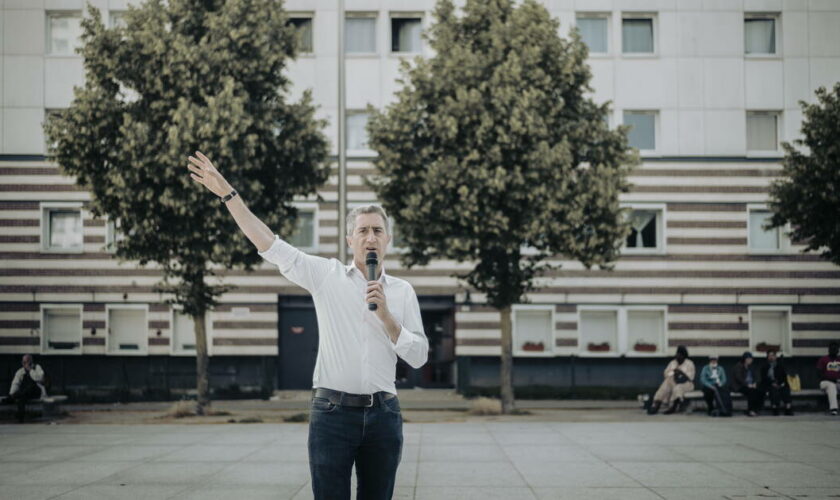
(201, 379)
(506, 382)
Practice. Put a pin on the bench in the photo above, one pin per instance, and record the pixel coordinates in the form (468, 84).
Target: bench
(694, 399)
(49, 406)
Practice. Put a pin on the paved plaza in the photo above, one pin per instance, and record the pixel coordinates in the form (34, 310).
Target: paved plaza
(796, 457)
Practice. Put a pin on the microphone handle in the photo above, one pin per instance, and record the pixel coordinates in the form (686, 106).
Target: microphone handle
(371, 277)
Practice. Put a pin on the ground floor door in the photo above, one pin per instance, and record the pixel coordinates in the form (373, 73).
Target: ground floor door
(298, 344)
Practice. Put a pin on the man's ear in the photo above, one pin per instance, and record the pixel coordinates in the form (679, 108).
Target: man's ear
(349, 241)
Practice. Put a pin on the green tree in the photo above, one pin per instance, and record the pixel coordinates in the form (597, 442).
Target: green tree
(807, 194)
(492, 153)
(183, 75)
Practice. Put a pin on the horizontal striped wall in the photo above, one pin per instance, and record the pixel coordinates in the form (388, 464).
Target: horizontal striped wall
(706, 278)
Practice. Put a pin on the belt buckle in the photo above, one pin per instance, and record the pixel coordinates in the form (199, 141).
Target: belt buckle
(371, 401)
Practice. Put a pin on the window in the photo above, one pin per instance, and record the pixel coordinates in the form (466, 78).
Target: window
(769, 329)
(64, 31)
(360, 35)
(113, 234)
(304, 29)
(760, 35)
(645, 230)
(760, 238)
(642, 133)
(599, 331)
(637, 35)
(356, 130)
(622, 330)
(127, 330)
(397, 241)
(762, 131)
(116, 18)
(405, 34)
(61, 328)
(304, 237)
(61, 226)
(593, 32)
(533, 330)
(183, 333)
(645, 331)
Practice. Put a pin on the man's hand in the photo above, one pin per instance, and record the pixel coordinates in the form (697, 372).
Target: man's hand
(376, 295)
(204, 173)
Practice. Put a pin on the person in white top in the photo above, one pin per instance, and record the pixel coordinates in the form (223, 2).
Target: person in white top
(355, 415)
(28, 384)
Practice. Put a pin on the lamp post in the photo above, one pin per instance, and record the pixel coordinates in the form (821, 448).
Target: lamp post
(342, 146)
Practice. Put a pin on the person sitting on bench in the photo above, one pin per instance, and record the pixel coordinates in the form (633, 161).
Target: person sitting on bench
(745, 382)
(679, 379)
(28, 384)
(828, 368)
(774, 383)
(715, 389)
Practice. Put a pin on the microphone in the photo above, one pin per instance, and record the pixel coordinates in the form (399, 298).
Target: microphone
(371, 262)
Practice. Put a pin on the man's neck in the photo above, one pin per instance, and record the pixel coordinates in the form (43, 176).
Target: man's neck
(363, 268)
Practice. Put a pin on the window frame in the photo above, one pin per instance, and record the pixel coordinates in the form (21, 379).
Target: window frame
(366, 151)
(784, 242)
(48, 207)
(763, 152)
(111, 16)
(304, 15)
(48, 48)
(143, 345)
(376, 42)
(405, 15)
(787, 343)
(550, 339)
(605, 15)
(656, 129)
(661, 238)
(654, 33)
(622, 348)
(310, 206)
(208, 327)
(777, 32)
(45, 349)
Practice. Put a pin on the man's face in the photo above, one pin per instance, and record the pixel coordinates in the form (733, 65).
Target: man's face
(747, 361)
(26, 361)
(369, 235)
(713, 363)
(771, 357)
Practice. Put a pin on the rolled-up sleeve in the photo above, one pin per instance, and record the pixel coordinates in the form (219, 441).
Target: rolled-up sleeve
(306, 271)
(412, 344)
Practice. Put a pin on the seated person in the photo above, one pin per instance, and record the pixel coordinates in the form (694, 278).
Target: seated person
(745, 382)
(828, 368)
(28, 384)
(715, 390)
(774, 382)
(679, 379)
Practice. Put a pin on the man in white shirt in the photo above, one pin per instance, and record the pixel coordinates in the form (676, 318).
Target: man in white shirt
(27, 384)
(355, 414)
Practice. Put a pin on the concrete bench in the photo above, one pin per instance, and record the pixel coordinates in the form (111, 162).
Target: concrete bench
(694, 397)
(49, 406)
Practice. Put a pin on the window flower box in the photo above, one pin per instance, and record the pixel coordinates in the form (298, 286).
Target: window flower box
(644, 347)
(602, 347)
(764, 347)
(533, 347)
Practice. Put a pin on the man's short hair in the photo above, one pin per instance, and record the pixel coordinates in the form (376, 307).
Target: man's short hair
(366, 209)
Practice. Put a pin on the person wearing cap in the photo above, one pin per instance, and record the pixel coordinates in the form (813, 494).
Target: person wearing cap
(715, 390)
(773, 382)
(744, 381)
(679, 379)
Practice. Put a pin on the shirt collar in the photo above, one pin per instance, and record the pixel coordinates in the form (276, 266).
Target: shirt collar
(383, 277)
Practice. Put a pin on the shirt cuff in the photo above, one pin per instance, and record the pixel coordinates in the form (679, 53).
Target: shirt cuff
(404, 341)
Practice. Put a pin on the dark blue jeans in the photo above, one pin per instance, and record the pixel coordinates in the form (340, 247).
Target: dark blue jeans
(340, 436)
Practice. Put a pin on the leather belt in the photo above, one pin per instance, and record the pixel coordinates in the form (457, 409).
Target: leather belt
(346, 399)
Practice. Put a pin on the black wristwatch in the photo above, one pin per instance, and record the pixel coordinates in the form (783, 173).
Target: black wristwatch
(228, 197)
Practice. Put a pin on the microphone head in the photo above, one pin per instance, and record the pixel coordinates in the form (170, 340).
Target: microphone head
(370, 259)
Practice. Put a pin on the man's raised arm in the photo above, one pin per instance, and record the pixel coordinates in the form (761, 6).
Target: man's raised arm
(203, 172)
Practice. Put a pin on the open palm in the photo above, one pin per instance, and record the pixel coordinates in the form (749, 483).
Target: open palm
(203, 172)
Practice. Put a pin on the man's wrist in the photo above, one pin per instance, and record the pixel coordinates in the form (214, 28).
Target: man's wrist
(226, 198)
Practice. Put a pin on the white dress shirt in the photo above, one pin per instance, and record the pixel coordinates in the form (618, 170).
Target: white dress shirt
(355, 353)
(37, 374)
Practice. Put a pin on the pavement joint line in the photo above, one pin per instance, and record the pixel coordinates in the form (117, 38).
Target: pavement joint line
(419, 455)
(515, 467)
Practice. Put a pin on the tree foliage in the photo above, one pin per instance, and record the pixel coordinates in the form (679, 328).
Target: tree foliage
(493, 146)
(807, 195)
(179, 76)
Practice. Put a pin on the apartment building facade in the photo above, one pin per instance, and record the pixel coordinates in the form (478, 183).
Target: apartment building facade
(710, 87)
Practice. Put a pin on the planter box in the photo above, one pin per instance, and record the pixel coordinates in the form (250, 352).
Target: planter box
(602, 347)
(764, 347)
(644, 347)
(529, 346)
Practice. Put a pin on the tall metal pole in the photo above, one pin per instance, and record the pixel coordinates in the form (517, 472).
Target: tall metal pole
(342, 146)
